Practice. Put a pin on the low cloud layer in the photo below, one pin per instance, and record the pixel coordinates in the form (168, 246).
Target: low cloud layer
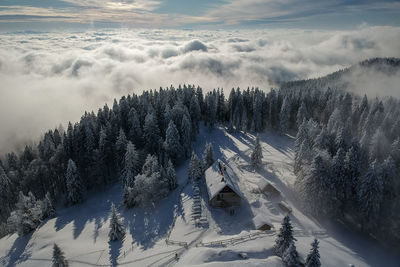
(51, 78)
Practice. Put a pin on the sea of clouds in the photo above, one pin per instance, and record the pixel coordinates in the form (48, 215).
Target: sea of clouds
(52, 78)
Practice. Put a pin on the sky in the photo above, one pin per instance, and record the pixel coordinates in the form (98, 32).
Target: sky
(60, 58)
(194, 14)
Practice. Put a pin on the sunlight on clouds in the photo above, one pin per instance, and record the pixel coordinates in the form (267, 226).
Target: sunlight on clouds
(67, 73)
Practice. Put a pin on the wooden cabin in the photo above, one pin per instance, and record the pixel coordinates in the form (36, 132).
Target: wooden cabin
(262, 223)
(267, 188)
(221, 191)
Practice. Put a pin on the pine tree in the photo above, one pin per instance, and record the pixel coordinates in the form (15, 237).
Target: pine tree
(171, 176)
(120, 146)
(74, 184)
(151, 134)
(208, 156)
(317, 188)
(195, 168)
(301, 114)
(256, 155)
(339, 177)
(131, 165)
(135, 131)
(370, 196)
(186, 135)
(291, 257)
(285, 237)
(5, 194)
(28, 214)
(117, 230)
(313, 257)
(172, 143)
(58, 257)
(47, 206)
(284, 115)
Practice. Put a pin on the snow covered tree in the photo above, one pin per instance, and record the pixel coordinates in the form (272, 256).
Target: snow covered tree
(195, 115)
(75, 187)
(5, 194)
(352, 170)
(370, 196)
(208, 156)
(48, 209)
(186, 135)
(120, 146)
(285, 237)
(301, 114)
(135, 130)
(284, 115)
(313, 257)
(58, 257)
(291, 257)
(256, 155)
(151, 134)
(28, 214)
(317, 188)
(172, 143)
(171, 176)
(341, 182)
(131, 165)
(195, 168)
(117, 230)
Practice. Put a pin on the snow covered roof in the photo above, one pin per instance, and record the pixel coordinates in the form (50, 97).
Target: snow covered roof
(260, 219)
(263, 183)
(215, 181)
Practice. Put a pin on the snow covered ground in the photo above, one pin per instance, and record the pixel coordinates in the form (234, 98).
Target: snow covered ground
(155, 236)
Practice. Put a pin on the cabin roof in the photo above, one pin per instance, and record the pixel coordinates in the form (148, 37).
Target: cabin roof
(215, 181)
(263, 184)
(261, 220)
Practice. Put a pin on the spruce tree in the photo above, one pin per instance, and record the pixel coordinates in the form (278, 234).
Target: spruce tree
(172, 143)
(151, 133)
(370, 196)
(284, 115)
(256, 155)
(131, 165)
(171, 176)
(285, 237)
(74, 184)
(291, 257)
(301, 114)
(5, 194)
(58, 257)
(117, 230)
(186, 135)
(195, 168)
(313, 257)
(208, 156)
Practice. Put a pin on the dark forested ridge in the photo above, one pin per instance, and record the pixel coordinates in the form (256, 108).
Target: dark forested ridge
(347, 149)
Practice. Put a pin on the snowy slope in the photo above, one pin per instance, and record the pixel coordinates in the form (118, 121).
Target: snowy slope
(156, 235)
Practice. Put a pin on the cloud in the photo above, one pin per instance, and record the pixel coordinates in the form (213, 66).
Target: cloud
(195, 45)
(52, 78)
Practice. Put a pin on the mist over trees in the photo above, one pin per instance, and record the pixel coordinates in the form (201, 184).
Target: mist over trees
(347, 149)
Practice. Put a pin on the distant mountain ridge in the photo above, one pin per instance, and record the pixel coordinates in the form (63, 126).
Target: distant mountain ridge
(338, 79)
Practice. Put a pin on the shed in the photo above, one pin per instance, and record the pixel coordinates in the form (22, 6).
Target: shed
(261, 222)
(221, 191)
(268, 188)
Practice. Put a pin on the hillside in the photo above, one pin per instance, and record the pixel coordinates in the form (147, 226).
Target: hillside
(81, 231)
(362, 78)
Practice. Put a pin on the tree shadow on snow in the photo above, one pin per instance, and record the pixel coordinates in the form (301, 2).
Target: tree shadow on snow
(16, 253)
(95, 209)
(222, 141)
(147, 224)
(114, 251)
